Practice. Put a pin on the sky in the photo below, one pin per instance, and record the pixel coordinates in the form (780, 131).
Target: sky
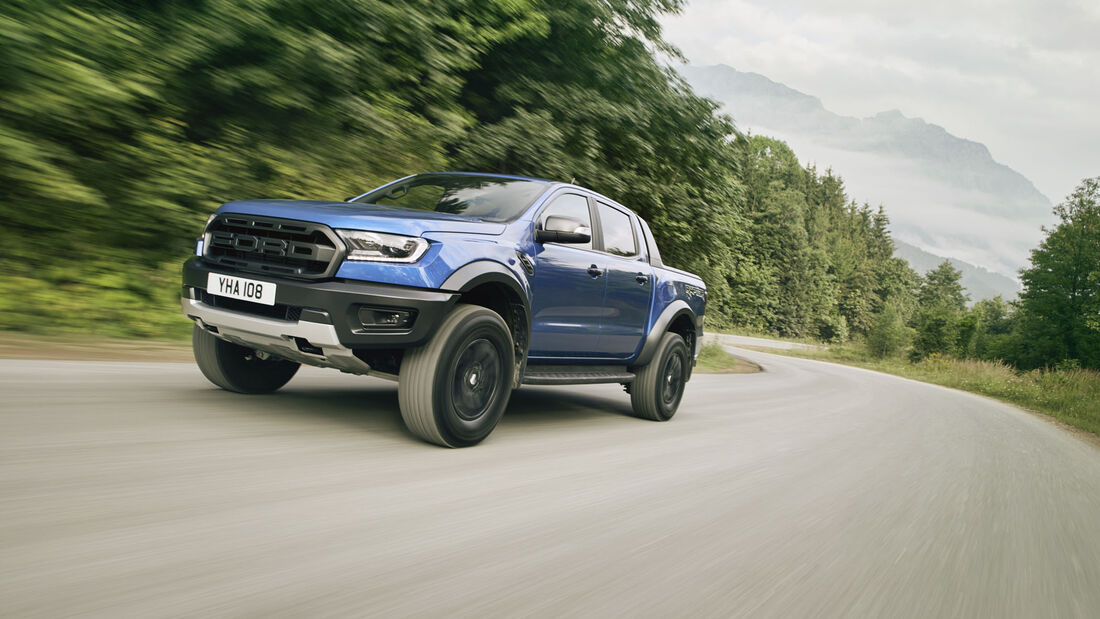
(1020, 76)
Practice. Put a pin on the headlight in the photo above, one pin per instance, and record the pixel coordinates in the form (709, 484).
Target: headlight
(378, 247)
(200, 243)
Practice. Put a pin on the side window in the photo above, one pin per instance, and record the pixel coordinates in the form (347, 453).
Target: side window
(618, 233)
(572, 206)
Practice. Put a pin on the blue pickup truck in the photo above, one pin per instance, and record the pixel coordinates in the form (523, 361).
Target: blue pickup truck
(460, 287)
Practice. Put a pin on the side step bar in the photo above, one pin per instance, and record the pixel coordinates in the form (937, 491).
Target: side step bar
(576, 374)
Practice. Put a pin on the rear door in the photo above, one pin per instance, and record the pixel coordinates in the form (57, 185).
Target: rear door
(567, 288)
(629, 290)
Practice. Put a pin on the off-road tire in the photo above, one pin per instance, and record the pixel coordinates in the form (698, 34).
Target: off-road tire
(238, 368)
(453, 390)
(659, 385)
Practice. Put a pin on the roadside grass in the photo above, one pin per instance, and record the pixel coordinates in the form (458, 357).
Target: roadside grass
(107, 298)
(1071, 396)
(713, 359)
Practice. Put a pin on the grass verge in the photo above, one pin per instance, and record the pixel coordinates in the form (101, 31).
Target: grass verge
(713, 359)
(1071, 396)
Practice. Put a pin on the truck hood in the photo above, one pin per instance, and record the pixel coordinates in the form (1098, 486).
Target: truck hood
(356, 216)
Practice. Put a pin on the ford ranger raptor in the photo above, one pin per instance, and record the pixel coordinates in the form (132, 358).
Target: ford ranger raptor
(460, 287)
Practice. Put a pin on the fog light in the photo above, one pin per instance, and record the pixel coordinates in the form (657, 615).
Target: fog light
(378, 317)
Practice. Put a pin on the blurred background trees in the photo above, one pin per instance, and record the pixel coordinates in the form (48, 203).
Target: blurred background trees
(124, 124)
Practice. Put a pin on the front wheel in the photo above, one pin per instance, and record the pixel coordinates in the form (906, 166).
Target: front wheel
(659, 386)
(453, 390)
(238, 368)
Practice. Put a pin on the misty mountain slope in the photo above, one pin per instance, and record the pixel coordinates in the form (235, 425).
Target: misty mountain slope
(979, 283)
(944, 194)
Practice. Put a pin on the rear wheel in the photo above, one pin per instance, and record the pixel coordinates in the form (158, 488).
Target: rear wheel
(454, 389)
(238, 368)
(659, 386)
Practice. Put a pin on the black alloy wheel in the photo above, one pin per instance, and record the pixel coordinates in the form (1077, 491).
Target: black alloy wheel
(672, 385)
(477, 375)
(453, 390)
(658, 387)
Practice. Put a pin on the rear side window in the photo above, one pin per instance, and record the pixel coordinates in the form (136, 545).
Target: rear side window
(618, 233)
(572, 206)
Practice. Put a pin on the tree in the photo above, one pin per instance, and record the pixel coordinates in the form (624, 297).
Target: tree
(942, 289)
(937, 332)
(1061, 296)
(888, 335)
(996, 321)
(941, 303)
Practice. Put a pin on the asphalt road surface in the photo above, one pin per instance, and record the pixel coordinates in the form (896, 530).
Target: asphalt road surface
(138, 490)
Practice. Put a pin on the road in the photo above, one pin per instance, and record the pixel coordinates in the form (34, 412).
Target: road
(137, 490)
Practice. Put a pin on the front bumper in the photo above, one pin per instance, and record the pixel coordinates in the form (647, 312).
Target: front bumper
(303, 341)
(323, 314)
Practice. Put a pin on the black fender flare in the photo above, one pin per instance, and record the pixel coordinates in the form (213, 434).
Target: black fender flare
(677, 308)
(481, 272)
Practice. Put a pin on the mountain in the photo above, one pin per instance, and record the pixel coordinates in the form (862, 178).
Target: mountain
(944, 194)
(979, 283)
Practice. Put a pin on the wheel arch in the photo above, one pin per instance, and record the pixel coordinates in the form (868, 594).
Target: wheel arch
(492, 285)
(676, 318)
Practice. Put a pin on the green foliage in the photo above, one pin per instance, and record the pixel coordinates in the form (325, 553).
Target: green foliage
(889, 335)
(832, 328)
(123, 125)
(818, 265)
(942, 289)
(1054, 322)
(942, 325)
(1061, 296)
(937, 332)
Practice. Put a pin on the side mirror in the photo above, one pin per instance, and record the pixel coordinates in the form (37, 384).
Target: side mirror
(563, 230)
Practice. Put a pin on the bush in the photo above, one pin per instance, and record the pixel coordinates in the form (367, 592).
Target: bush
(832, 328)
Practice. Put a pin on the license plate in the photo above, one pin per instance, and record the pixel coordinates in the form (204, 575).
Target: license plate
(241, 288)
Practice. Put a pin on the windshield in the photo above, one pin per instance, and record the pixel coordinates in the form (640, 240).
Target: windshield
(484, 197)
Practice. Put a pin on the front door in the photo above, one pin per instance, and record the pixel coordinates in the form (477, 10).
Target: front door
(567, 289)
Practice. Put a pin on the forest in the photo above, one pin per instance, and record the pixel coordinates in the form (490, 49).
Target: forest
(124, 124)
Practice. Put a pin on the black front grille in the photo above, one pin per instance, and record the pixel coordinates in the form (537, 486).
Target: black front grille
(280, 247)
(277, 311)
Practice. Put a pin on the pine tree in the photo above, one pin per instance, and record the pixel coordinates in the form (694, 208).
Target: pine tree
(942, 289)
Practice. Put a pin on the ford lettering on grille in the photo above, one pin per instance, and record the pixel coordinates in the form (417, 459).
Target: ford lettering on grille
(273, 246)
(263, 245)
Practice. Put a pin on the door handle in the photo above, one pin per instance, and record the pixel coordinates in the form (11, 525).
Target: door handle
(594, 271)
(641, 278)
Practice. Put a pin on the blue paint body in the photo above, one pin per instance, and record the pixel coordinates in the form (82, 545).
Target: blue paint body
(575, 317)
